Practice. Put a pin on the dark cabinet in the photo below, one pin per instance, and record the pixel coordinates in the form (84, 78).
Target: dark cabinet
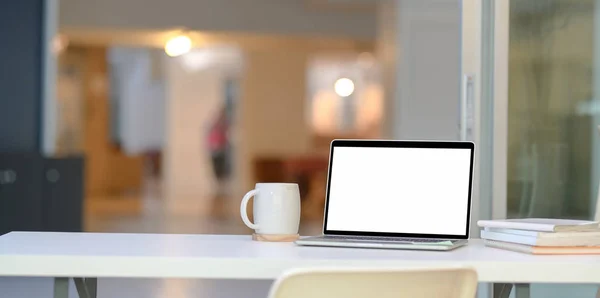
(20, 192)
(63, 194)
(40, 194)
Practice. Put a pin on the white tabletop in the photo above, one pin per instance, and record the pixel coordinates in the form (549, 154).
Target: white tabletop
(237, 257)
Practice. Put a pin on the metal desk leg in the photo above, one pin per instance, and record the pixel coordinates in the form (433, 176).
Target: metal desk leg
(61, 287)
(86, 287)
(92, 285)
(522, 291)
(501, 290)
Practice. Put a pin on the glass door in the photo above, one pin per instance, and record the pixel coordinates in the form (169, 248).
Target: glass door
(543, 63)
(553, 113)
(546, 107)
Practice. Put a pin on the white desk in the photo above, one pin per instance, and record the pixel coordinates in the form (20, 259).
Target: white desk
(72, 255)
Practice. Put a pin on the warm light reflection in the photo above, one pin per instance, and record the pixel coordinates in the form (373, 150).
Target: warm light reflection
(344, 87)
(59, 44)
(366, 60)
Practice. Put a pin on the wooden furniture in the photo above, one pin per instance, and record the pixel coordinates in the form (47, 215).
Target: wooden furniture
(275, 238)
(63, 255)
(310, 172)
(109, 170)
(382, 283)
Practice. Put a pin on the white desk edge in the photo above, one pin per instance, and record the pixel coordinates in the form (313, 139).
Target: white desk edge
(66, 261)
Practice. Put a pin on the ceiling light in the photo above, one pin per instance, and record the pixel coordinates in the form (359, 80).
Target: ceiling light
(177, 46)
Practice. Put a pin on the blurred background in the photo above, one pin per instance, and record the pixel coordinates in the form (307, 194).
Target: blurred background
(159, 116)
(152, 116)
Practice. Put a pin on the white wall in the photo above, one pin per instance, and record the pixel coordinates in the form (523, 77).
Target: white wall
(388, 54)
(272, 121)
(256, 16)
(327, 109)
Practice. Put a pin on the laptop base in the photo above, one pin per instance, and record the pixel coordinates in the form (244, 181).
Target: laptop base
(325, 241)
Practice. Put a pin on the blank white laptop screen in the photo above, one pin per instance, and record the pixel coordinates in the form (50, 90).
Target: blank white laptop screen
(399, 190)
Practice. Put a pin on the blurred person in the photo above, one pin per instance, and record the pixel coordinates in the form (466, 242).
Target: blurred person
(219, 145)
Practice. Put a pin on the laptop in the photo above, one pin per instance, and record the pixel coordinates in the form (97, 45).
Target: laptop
(397, 195)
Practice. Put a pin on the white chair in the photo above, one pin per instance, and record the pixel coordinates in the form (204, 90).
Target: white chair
(381, 283)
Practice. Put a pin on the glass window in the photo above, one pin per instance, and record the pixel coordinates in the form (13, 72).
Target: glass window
(553, 111)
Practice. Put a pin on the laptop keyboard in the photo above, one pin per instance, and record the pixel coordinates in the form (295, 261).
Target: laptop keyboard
(384, 239)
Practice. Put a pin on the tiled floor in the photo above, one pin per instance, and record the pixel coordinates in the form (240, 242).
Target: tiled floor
(141, 288)
(180, 216)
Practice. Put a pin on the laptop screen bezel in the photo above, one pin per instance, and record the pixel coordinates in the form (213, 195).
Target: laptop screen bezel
(399, 144)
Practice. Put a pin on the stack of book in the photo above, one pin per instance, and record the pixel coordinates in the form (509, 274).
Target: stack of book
(542, 236)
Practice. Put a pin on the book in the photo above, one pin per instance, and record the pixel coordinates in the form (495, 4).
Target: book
(544, 250)
(588, 239)
(541, 224)
(591, 233)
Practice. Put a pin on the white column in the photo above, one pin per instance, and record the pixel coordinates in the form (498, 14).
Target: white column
(49, 103)
(419, 43)
(426, 47)
(193, 100)
(388, 52)
(140, 99)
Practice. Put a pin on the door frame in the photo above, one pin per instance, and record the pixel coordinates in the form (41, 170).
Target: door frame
(492, 111)
(471, 102)
(485, 46)
(501, 22)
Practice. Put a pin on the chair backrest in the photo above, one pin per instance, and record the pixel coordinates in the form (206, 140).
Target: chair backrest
(381, 283)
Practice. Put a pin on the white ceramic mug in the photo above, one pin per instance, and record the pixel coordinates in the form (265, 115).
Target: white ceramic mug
(276, 209)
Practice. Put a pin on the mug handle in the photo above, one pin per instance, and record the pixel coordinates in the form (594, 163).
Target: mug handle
(244, 212)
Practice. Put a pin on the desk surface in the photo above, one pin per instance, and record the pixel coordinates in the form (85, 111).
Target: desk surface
(237, 257)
